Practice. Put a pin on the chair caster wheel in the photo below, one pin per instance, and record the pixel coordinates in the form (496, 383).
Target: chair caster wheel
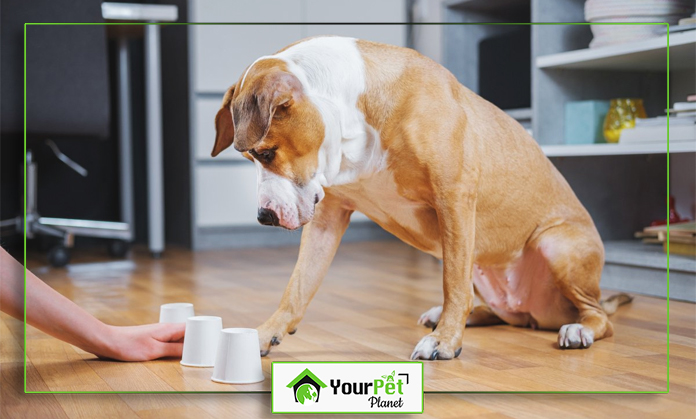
(118, 248)
(59, 256)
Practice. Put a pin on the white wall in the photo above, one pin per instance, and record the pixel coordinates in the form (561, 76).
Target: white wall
(427, 39)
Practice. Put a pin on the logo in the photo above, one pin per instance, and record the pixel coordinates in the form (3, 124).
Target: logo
(306, 387)
(376, 389)
(347, 387)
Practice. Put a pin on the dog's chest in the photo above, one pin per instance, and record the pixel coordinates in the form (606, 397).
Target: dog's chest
(379, 198)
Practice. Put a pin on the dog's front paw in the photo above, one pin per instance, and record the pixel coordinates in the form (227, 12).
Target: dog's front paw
(431, 317)
(575, 336)
(267, 339)
(270, 337)
(433, 347)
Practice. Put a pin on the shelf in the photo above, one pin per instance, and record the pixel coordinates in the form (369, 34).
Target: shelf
(617, 149)
(633, 56)
(638, 268)
(638, 254)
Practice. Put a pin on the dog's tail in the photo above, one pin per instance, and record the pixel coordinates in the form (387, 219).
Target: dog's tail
(612, 303)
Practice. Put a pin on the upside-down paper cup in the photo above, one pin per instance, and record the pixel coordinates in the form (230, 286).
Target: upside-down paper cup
(176, 312)
(201, 341)
(238, 358)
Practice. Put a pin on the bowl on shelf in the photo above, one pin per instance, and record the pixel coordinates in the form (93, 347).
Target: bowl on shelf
(619, 20)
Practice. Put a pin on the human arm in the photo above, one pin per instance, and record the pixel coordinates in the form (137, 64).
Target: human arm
(58, 316)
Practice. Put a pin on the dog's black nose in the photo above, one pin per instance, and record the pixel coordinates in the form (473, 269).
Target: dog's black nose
(267, 217)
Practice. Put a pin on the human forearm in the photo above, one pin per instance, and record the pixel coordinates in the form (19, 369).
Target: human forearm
(48, 310)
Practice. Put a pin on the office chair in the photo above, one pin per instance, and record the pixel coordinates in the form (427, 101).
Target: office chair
(67, 91)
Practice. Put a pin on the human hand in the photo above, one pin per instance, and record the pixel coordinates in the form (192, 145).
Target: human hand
(143, 343)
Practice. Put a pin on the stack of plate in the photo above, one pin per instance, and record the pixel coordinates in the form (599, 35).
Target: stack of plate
(632, 11)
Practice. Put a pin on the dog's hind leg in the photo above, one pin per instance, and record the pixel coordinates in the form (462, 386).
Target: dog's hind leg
(575, 257)
(431, 317)
(481, 315)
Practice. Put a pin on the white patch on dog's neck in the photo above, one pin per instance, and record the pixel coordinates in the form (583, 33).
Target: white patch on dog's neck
(332, 72)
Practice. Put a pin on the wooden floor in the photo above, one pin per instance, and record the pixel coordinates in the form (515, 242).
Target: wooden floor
(366, 310)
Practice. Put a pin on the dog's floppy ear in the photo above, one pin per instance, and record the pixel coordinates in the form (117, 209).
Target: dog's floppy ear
(224, 127)
(254, 116)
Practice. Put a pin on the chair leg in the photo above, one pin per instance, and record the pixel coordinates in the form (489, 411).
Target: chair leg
(39, 228)
(65, 229)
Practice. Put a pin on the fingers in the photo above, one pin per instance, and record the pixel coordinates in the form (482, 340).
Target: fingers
(171, 338)
(169, 332)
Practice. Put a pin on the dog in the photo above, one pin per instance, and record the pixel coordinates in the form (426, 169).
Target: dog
(336, 124)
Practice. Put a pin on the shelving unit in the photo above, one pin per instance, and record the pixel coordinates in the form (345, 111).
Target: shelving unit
(622, 186)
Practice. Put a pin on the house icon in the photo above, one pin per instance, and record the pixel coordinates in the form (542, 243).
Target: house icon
(306, 387)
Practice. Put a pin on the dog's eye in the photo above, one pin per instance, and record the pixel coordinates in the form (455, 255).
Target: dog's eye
(264, 156)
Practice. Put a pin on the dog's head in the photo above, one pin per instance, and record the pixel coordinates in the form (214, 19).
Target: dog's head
(269, 118)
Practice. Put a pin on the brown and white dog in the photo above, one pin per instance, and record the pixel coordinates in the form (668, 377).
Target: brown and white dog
(337, 124)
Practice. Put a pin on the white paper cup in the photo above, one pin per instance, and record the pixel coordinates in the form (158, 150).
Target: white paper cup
(201, 340)
(238, 358)
(176, 312)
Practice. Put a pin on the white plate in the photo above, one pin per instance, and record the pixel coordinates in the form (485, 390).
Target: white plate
(595, 9)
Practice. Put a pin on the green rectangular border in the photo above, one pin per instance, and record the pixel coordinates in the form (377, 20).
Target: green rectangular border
(352, 413)
(320, 23)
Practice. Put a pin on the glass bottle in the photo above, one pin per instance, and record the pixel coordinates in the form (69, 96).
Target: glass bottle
(622, 114)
